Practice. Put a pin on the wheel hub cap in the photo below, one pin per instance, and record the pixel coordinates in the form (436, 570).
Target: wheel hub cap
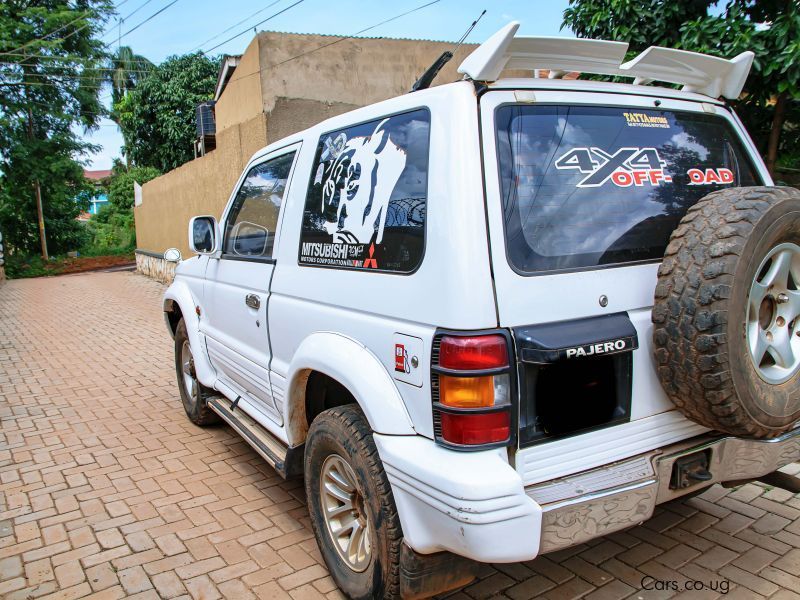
(772, 311)
(345, 516)
(189, 375)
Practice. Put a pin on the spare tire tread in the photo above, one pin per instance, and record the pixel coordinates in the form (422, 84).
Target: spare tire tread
(690, 313)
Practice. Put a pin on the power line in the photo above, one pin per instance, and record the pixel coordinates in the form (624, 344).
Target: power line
(44, 84)
(68, 57)
(62, 28)
(211, 39)
(337, 41)
(155, 14)
(253, 26)
(76, 58)
(341, 39)
(129, 15)
(12, 64)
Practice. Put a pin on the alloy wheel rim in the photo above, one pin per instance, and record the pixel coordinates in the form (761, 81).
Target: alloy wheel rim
(344, 513)
(773, 308)
(187, 367)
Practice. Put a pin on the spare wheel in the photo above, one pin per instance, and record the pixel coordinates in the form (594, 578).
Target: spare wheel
(727, 312)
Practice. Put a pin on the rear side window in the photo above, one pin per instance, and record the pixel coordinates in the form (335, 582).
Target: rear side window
(585, 186)
(367, 198)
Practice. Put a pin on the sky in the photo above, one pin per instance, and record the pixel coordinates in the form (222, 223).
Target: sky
(188, 25)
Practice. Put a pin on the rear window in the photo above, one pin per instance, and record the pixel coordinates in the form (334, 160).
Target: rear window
(584, 187)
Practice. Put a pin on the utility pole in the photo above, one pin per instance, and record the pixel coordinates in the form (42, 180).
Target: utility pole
(38, 192)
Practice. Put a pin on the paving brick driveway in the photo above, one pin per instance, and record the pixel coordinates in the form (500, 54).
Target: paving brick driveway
(107, 490)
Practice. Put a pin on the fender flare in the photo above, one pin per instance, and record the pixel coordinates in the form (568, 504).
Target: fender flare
(178, 293)
(357, 369)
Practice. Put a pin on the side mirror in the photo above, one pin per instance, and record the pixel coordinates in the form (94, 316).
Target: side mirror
(203, 235)
(172, 255)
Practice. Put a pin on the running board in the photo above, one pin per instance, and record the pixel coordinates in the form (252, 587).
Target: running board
(288, 462)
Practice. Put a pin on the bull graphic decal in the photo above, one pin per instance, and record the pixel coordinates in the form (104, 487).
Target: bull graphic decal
(358, 176)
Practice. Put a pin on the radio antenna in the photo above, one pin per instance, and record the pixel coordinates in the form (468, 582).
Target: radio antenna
(430, 74)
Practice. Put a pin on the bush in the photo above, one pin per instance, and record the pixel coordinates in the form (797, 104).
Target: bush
(110, 231)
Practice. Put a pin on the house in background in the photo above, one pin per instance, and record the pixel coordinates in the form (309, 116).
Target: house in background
(98, 177)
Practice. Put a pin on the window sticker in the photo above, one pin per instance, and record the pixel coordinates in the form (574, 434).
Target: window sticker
(710, 176)
(366, 202)
(645, 120)
(623, 168)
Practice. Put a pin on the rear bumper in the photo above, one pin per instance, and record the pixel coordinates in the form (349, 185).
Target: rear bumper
(474, 504)
(594, 503)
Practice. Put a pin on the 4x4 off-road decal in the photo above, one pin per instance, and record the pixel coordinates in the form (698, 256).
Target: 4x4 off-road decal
(623, 168)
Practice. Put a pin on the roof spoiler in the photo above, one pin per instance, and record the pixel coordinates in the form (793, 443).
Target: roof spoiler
(699, 73)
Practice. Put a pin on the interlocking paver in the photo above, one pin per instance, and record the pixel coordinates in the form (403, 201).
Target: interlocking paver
(107, 491)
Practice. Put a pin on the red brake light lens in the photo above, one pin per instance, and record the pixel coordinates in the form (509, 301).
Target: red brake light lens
(473, 353)
(476, 428)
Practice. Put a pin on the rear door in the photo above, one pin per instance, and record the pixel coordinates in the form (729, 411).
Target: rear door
(237, 282)
(582, 196)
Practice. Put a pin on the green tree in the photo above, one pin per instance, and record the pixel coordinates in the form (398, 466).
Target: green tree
(120, 187)
(770, 28)
(157, 117)
(641, 23)
(125, 69)
(49, 84)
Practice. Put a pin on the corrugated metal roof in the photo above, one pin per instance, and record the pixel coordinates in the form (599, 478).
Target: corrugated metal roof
(365, 37)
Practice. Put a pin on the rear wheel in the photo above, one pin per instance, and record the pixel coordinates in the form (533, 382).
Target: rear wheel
(727, 312)
(193, 393)
(351, 505)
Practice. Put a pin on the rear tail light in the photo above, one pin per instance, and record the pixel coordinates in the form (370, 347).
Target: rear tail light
(475, 352)
(472, 396)
(476, 429)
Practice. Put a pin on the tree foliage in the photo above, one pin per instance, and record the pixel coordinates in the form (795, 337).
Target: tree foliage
(769, 28)
(124, 70)
(641, 23)
(157, 117)
(120, 187)
(49, 84)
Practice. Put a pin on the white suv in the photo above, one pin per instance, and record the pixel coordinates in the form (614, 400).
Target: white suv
(499, 317)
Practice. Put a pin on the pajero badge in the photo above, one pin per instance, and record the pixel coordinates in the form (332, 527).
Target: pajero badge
(599, 348)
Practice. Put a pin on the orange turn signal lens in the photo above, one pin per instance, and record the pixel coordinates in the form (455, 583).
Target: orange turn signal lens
(466, 392)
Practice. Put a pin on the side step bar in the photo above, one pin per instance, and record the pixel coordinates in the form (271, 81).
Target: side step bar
(288, 462)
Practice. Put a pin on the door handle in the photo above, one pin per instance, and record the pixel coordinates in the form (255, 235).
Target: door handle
(253, 301)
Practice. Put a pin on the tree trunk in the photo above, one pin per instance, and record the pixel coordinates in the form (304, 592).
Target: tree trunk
(40, 215)
(38, 193)
(775, 132)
